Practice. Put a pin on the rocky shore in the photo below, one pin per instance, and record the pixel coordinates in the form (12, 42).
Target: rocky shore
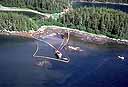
(85, 36)
(16, 34)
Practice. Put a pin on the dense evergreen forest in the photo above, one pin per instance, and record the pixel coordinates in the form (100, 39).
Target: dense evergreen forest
(98, 20)
(95, 20)
(50, 6)
(16, 22)
(115, 1)
(104, 21)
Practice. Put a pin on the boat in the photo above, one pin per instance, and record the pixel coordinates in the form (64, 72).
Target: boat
(121, 57)
(58, 54)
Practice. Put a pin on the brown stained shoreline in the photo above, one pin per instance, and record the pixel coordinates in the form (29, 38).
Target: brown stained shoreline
(84, 36)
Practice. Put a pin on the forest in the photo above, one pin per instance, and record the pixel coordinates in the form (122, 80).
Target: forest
(98, 20)
(16, 22)
(104, 21)
(49, 6)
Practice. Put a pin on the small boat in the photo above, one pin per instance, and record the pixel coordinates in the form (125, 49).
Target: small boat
(121, 57)
(58, 54)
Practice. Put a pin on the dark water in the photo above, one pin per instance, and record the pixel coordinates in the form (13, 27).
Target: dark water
(119, 7)
(96, 66)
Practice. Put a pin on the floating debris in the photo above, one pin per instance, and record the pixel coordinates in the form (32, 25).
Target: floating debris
(74, 48)
(44, 63)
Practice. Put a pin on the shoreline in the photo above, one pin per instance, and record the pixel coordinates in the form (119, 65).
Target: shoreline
(85, 36)
(89, 37)
(17, 33)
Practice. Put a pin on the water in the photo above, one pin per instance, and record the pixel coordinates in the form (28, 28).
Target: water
(96, 66)
(117, 6)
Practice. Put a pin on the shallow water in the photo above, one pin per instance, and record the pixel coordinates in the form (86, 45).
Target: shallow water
(96, 66)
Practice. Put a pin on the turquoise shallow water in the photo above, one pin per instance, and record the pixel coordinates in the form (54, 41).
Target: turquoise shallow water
(96, 66)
